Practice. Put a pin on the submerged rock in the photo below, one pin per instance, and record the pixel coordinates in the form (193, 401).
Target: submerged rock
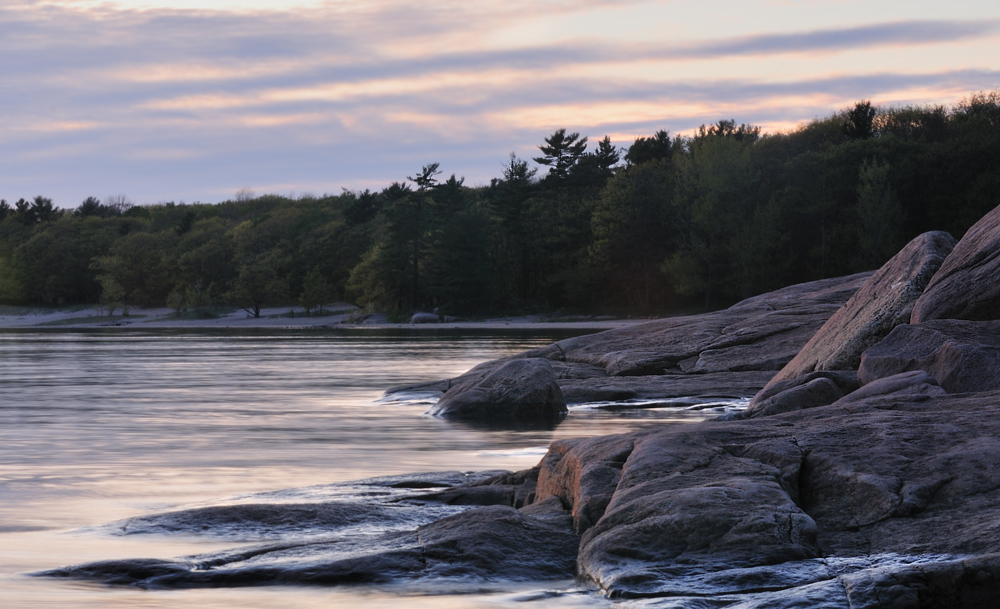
(967, 286)
(255, 519)
(487, 544)
(519, 390)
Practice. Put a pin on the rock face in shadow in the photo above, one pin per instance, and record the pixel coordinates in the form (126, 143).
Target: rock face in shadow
(498, 542)
(510, 489)
(960, 355)
(882, 303)
(967, 286)
(664, 386)
(519, 390)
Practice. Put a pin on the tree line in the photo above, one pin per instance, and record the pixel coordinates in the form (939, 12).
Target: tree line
(669, 223)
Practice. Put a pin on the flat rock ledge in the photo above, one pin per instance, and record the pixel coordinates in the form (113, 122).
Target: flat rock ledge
(731, 353)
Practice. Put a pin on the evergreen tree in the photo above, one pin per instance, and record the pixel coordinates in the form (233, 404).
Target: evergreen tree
(560, 153)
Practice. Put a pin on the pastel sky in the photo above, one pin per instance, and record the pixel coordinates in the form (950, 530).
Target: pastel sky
(192, 100)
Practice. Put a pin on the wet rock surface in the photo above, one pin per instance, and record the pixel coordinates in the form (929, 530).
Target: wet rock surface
(723, 508)
(433, 539)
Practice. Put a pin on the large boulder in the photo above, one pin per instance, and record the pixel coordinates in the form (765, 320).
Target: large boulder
(882, 303)
(519, 390)
(967, 286)
(960, 355)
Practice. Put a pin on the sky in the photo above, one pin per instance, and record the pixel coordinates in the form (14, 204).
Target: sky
(194, 100)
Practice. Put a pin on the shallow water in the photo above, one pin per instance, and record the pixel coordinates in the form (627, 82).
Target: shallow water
(97, 427)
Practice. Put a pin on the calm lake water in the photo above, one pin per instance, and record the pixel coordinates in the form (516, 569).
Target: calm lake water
(100, 426)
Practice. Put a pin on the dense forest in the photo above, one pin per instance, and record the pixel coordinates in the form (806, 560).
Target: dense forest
(669, 223)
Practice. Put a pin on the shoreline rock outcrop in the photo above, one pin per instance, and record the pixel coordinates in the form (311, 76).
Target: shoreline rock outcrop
(731, 353)
(865, 474)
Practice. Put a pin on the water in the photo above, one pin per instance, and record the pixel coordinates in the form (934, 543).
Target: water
(102, 426)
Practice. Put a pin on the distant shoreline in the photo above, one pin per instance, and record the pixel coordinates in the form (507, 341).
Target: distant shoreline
(284, 318)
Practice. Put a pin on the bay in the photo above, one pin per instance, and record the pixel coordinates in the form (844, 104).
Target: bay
(100, 426)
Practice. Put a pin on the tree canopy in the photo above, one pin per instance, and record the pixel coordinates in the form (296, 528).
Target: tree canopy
(666, 224)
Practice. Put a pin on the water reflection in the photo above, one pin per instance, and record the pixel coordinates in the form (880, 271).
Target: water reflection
(100, 426)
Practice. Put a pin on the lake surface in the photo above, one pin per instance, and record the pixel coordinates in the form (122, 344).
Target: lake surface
(97, 427)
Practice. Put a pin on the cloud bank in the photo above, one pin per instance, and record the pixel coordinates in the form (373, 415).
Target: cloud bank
(167, 104)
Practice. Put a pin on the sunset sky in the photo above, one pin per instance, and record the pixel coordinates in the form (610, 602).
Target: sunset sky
(173, 101)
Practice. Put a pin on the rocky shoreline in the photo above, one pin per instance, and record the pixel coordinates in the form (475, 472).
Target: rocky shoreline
(864, 473)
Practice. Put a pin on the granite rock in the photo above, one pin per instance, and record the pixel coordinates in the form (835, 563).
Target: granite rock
(960, 355)
(519, 390)
(882, 303)
(967, 286)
